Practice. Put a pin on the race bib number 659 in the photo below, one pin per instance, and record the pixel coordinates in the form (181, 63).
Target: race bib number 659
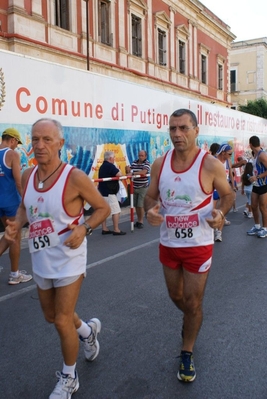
(42, 235)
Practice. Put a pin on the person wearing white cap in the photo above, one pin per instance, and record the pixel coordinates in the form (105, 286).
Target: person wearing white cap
(10, 197)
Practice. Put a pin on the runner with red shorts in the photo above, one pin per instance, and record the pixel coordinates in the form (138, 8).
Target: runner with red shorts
(180, 200)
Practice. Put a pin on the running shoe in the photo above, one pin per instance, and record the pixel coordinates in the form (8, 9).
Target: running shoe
(22, 277)
(65, 387)
(253, 231)
(250, 215)
(217, 236)
(245, 212)
(186, 372)
(227, 222)
(91, 344)
(262, 233)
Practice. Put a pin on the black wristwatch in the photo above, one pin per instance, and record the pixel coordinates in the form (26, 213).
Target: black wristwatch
(89, 229)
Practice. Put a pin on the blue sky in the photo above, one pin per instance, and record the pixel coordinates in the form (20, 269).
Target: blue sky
(246, 18)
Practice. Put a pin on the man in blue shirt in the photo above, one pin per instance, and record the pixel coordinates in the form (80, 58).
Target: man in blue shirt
(10, 196)
(259, 189)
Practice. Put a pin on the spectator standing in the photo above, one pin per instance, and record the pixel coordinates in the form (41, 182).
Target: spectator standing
(140, 166)
(240, 166)
(246, 187)
(54, 194)
(109, 189)
(183, 181)
(10, 197)
(259, 189)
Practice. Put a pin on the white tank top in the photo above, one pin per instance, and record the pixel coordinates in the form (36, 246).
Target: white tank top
(185, 205)
(48, 230)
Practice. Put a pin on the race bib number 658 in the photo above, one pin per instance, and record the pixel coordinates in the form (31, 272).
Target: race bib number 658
(183, 227)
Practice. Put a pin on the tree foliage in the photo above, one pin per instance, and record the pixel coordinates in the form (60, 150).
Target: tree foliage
(256, 107)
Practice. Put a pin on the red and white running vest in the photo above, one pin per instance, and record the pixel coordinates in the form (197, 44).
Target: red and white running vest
(48, 230)
(184, 205)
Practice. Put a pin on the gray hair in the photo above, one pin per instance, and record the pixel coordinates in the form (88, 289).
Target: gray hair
(108, 154)
(184, 111)
(55, 122)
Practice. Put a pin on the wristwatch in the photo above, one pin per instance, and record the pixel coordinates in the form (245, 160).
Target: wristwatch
(89, 229)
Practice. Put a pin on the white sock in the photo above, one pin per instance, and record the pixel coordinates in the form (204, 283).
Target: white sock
(69, 370)
(258, 226)
(14, 274)
(84, 330)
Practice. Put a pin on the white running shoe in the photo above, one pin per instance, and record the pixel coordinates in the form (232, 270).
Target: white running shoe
(65, 387)
(227, 222)
(22, 277)
(91, 344)
(217, 236)
(262, 233)
(250, 215)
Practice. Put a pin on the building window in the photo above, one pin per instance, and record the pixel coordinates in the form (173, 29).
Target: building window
(62, 14)
(181, 57)
(203, 69)
(104, 22)
(220, 77)
(136, 36)
(162, 47)
(233, 80)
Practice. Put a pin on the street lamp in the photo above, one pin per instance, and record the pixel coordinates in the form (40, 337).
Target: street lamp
(87, 34)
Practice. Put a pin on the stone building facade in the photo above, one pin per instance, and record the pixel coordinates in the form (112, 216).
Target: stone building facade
(248, 71)
(177, 46)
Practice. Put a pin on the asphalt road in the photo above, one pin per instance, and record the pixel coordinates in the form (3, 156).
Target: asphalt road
(140, 337)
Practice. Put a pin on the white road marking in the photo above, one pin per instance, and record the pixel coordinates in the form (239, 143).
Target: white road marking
(89, 266)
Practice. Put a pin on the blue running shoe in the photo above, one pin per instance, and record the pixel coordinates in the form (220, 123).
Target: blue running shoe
(186, 372)
(262, 233)
(253, 231)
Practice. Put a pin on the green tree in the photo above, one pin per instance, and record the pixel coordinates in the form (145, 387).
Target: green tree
(256, 107)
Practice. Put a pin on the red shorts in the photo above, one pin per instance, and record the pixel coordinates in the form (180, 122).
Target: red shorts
(193, 259)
